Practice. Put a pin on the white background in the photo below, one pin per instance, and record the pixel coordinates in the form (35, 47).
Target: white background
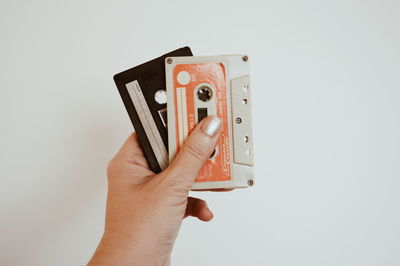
(326, 102)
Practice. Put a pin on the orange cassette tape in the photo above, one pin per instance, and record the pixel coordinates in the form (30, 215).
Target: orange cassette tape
(220, 86)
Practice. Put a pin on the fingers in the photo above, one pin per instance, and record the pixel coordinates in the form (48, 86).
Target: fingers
(198, 208)
(132, 151)
(129, 166)
(195, 151)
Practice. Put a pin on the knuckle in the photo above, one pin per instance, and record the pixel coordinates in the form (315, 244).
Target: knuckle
(175, 187)
(111, 168)
(174, 181)
(195, 151)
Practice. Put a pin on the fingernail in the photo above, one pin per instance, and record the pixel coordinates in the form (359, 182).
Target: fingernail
(211, 125)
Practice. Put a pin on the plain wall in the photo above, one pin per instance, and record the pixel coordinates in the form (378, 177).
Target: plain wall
(326, 105)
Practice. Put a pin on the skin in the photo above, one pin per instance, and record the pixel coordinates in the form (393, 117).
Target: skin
(145, 210)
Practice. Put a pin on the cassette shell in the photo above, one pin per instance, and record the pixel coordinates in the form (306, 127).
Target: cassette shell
(239, 117)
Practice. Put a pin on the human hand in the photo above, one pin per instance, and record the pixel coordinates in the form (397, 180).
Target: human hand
(145, 210)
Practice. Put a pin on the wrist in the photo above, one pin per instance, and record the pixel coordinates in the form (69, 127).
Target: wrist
(116, 248)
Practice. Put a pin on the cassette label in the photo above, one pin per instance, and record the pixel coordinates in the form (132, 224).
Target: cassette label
(206, 87)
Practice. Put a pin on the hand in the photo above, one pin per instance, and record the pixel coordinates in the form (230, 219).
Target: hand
(145, 210)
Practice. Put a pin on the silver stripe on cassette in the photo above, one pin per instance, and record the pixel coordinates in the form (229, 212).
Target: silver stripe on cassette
(148, 123)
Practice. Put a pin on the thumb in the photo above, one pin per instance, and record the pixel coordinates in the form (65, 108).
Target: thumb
(195, 151)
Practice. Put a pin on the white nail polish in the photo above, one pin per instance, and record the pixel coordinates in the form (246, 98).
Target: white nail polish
(211, 127)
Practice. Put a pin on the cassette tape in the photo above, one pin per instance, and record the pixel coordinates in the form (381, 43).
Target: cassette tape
(142, 89)
(220, 86)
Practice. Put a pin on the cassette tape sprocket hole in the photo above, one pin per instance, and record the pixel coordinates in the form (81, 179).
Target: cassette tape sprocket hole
(204, 93)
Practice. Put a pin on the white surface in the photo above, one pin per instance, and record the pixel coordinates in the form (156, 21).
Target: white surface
(326, 93)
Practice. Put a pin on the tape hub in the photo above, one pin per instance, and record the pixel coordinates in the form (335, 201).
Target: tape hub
(204, 93)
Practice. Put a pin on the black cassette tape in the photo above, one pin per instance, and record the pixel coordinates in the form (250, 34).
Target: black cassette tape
(143, 92)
